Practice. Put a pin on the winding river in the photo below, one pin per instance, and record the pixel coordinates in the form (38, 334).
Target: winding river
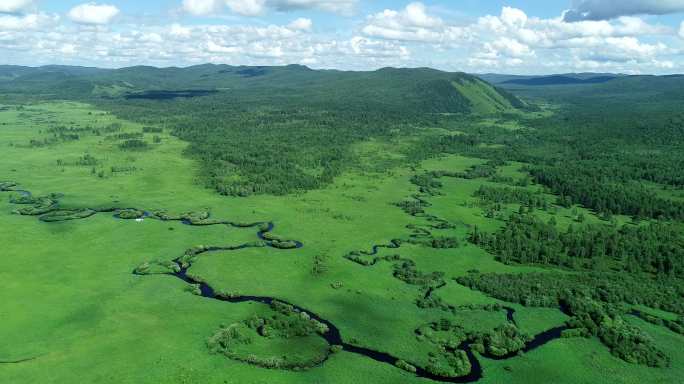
(333, 336)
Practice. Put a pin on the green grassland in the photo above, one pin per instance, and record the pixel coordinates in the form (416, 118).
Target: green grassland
(104, 312)
(73, 307)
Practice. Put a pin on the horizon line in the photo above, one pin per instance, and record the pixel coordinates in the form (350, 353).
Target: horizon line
(330, 69)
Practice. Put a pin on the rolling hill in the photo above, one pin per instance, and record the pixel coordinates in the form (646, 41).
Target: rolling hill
(268, 129)
(418, 90)
(560, 80)
(543, 80)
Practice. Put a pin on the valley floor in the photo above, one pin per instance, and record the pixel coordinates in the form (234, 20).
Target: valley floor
(74, 311)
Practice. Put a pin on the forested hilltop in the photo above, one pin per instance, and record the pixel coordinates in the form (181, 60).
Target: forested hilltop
(267, 129)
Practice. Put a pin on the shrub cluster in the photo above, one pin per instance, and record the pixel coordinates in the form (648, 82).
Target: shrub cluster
(134, 145)
(449, 363)
(504, 340)
(406, 271)
(624, 340)
(129, 214)
(592, 300)
(66, 215)
(508, 195)
(155, 267)
(7, 186)
(285, 322)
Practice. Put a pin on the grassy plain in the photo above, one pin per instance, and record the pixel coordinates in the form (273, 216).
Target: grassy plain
(71, 303)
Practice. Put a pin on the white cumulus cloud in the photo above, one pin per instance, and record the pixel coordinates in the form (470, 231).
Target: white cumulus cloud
(512, 48)
(14, 6)
(513, 38)
(201, 7)
(513, 17)
(247, 7)
(363, 46)
(301, 24)
(26, 22)
(681, 30)
(413, 23)
(93, 13)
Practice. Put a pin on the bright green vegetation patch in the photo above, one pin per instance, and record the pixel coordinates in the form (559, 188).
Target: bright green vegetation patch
(282, 339)
(480, 319)
(233, 272)
(511, 125)
(535, 320)
(659, 313)
(484, 98)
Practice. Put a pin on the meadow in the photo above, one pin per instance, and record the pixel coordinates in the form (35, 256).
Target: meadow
(74, 311)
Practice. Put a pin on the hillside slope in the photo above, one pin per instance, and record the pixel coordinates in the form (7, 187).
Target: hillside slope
(272, 130)
(419, 90)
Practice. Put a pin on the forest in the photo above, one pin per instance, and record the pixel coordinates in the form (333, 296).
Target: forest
(654, 248)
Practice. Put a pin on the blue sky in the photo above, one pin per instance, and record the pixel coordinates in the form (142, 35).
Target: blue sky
(517, 36)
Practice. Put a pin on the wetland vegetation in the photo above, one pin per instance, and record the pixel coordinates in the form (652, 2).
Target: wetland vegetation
(417, 227)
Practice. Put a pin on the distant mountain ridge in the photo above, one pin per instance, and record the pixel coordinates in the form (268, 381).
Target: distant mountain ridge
(560, 80)
(599, 82)
(556, 79)
(399, 89)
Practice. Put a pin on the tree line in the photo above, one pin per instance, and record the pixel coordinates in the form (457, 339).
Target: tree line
(656, 248)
